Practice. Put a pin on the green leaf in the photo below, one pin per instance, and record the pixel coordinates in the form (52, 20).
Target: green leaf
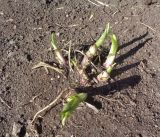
(112, 53)
(71, 105)
(114, 46)
(104, 35)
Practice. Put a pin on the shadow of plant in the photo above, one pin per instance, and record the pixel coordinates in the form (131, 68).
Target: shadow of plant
(119, 85)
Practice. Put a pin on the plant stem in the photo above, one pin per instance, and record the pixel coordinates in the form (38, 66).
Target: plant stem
(105, 75)
(94, 48)
(109, 63)
(104, 35)
(112, 53)
(81, 72)
(57, 52)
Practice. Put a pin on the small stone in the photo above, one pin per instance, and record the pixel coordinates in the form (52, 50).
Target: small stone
(1, 13)
(11, 41)
(11, 54)
(14, 27)
(7, 135)
(52, 79)
(57, 34)
(67, 15)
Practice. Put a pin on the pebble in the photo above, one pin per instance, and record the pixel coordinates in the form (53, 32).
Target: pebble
(11, 54)
(11, 41)
(52, 79)
(58, 76)
(1, 13)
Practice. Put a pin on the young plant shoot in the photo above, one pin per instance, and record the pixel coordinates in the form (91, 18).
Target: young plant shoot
(73, 101)
(109, 63)
(57, 52)
(92, 52)
(71, 104)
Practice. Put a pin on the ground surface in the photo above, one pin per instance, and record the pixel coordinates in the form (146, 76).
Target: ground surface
(132, 107)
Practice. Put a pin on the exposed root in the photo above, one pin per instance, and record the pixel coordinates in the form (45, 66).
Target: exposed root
(31, 131)
(33, 98)
(46, 66)
(48, 106)
(92, 107)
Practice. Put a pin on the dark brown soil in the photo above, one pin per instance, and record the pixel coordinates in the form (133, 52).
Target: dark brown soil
(132, 104)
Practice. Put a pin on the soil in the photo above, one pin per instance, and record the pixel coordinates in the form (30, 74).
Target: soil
(129, 106)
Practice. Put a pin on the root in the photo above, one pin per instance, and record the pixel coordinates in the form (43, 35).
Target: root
(46, 66)
(92, 107)
(48, 106)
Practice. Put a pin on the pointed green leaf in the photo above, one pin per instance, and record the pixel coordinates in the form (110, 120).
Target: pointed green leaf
(104, 35)
(71, 105)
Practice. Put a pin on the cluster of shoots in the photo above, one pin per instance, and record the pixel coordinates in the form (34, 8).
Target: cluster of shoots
(73, 101)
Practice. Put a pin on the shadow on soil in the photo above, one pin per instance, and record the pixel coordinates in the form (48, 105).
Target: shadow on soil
(119, 85)
(109, 89)
(131, 52)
